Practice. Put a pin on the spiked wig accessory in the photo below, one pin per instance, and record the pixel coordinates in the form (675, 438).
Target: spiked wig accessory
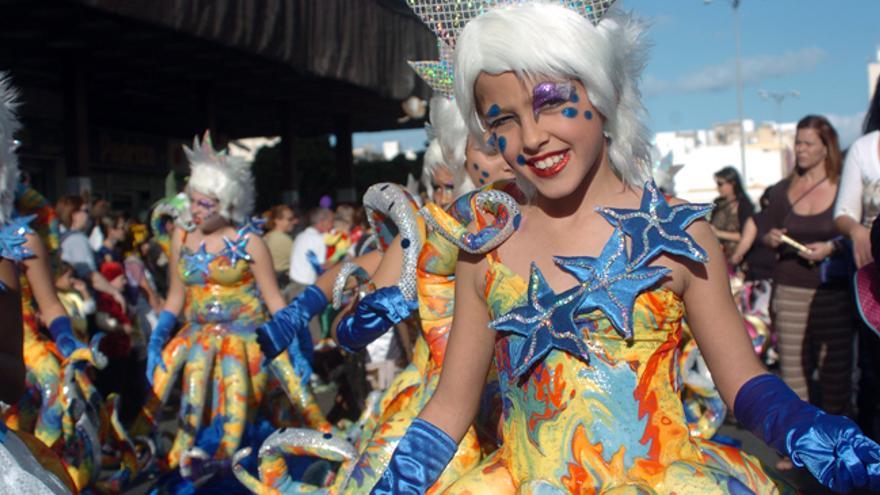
(224, 177)
(9, 125)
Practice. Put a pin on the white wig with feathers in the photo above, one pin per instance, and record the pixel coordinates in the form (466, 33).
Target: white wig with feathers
(547, 40)
(224, 177)
(452, 134)
(9, 125)
(432, 161)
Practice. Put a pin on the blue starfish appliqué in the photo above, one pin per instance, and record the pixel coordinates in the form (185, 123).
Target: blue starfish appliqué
(253, 225)
(658, 228)
(236, 250)
(12, 239)
(199, 261)
(546, 321)
(610, 283)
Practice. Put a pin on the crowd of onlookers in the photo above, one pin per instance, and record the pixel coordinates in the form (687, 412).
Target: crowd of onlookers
(793, 260)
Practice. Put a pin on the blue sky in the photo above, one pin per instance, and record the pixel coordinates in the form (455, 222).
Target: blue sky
(802, 45)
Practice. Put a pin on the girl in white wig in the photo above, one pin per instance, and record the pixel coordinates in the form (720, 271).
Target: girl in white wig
(579, 292)
(224, 286)
(437, 176)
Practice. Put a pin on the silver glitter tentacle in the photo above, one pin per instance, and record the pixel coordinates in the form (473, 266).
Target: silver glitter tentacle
(498, 203)
(389, 202)
(349, 269)
(301, 441)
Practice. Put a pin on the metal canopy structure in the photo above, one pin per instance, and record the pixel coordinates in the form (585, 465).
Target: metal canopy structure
(113, 87)
(172, 66)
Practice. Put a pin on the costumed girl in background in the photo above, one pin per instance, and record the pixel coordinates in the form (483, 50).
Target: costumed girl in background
(222, 281)
(379, 311)
(582, 305)
(19, 469)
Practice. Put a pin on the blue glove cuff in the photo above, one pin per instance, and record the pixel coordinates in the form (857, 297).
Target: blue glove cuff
(163, 328)
(767, 407)
(313, 301)
(418, 461)
(60, 326)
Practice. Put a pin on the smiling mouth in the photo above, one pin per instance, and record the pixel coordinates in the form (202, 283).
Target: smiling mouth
(549, 164)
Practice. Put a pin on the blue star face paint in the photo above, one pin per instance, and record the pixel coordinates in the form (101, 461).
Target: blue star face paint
(574, 97)
(494, 111)
(588, 115)
(520, 160)
(502, 144)
(549, 94)
(570, 112)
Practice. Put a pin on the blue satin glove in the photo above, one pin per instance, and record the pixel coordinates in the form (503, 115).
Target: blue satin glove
(158, 338)
(374, 315)
(61, 331)
(831, 447)
(291, 323)
(313, 260)
(418, 461)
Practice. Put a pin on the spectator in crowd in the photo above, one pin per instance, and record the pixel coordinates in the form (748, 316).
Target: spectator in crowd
(280, 222)
(113, 230)
(73, 213)
(811, 308)
(77, 300)
(100, 209)
(857, 206)
(756, 260)
(732, 208)
(309, 257)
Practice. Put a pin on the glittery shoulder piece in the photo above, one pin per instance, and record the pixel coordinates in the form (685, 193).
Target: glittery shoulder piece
(346, 271)
(253, 225)
(13, 238)
(447, 18)
(391, 210)
(491, 200)
(657, 227)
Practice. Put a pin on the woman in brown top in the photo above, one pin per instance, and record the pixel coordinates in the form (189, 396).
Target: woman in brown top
(811, 310)
(732, 208)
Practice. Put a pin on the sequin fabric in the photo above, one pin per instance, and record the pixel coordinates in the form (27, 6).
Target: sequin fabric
(447, 18)
(392, 210)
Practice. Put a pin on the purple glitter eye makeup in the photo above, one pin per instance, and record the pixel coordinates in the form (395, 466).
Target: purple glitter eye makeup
(550, 92)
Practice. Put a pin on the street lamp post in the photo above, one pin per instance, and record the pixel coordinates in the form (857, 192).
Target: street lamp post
(778, 97)
(739, 88)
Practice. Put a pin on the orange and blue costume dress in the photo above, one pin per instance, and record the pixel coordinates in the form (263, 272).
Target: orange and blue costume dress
(589, 378)
(228, 396)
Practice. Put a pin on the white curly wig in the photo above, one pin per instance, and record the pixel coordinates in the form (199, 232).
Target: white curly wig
(432, 161)
(542, 39)
(224, 177)
(452, 134)
(9, 125)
